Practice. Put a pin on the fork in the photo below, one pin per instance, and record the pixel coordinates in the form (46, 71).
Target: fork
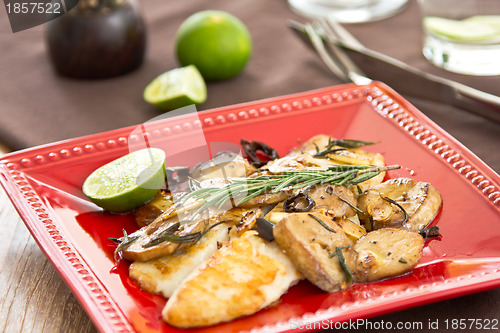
(336, 42)
(332, 55)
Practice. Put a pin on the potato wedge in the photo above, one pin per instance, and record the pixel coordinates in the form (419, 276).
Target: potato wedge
(420, 200)
(139, 249)
(387, 252)
(332, 200)
(311, 146)
(312, 242)
(224, 165)
(298, 162)
(148, 212)
(266, 199)
(350, 156)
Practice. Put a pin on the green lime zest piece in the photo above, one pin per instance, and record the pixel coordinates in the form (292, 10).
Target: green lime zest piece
(127, 182)
(176, 88)
(461, 30)
(489, 20)
(216, 42)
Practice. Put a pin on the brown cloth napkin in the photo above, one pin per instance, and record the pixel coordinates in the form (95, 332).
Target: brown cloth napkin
(39, 107)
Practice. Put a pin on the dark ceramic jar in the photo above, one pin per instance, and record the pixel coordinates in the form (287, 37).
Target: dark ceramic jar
(97, 39)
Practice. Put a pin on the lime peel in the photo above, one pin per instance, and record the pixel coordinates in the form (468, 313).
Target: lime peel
(127, 182)
(216, 42)
(471, 29)
(176, 88)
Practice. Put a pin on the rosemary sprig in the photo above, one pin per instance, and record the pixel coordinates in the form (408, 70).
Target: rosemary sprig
(344, 143)
(322, 223)
(241, 190)
(343, 264)
(188, 238)
(165, 233)
(351, 205)
(328, 151)
(399, 206)
(334, 253)
(348, 143)
(125, 242)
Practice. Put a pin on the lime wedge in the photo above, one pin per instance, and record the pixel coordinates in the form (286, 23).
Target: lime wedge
(176, 88)
(464, 30)
(128, 181)
(490, 20)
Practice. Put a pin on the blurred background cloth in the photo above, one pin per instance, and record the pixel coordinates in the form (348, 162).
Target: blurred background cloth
(38, 107)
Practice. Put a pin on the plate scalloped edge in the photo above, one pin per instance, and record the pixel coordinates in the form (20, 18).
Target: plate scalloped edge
(382, 98)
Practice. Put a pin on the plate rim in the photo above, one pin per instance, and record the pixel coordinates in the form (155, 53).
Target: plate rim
(107, 315)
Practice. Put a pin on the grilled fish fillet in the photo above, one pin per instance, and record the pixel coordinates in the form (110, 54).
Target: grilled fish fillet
(163, 275)
(241, 278)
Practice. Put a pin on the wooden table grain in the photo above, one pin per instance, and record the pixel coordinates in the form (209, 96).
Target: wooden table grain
(33, 297)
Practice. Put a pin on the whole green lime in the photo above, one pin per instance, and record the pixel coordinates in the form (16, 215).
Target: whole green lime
(216, 42)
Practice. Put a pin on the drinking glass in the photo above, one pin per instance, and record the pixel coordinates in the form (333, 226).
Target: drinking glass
(348, 11)
(462, 36)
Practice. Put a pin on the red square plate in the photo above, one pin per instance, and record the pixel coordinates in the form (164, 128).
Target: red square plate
(44, 183)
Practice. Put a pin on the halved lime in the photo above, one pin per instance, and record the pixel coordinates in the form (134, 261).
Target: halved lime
(127, 182)
(176, 88)
(462, 30)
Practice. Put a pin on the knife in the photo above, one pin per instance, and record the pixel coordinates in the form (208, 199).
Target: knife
(417, 83)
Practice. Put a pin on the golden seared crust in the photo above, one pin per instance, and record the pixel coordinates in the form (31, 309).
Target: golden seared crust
(387, 252)
(311, 248)
(246, 223)
(163, 275)
(239, 279)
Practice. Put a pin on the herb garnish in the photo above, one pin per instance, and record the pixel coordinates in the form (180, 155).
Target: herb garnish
(322, 223)
(343, 264)
(351, 205)
(328, 151)
(244, 189)
(399, 206)
(344, 143)
(167, 235)
(125, 242)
